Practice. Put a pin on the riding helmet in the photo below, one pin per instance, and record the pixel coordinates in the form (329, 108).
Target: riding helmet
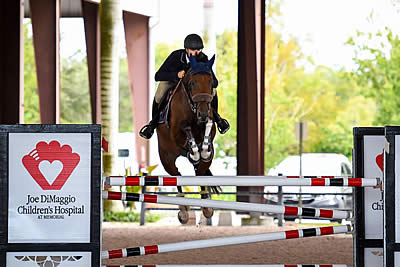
(193, 42)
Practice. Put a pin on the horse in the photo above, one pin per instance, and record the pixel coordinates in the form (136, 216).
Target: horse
(190, 130)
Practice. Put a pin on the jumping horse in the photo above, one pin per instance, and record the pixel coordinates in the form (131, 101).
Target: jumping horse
(190, 130)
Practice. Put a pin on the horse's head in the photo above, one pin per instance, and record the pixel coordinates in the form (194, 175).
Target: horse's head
(198, 82)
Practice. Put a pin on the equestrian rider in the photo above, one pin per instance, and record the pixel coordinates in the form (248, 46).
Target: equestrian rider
(171, 71)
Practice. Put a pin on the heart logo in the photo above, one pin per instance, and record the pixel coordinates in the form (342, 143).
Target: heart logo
(49, 170)
(379, 161)
(50, 165)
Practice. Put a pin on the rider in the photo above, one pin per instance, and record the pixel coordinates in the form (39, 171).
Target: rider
(171, 71)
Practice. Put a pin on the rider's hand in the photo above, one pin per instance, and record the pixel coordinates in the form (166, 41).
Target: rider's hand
(181, 74)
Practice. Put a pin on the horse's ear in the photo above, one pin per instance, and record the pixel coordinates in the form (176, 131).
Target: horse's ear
(192, 61)
(210, 63)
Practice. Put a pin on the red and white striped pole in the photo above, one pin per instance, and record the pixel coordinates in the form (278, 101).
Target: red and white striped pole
(236, 265)
(228, 205)
(224, 241)
(241, 181)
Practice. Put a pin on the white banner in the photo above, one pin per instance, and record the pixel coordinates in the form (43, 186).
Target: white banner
(60, 259)
(373, 257)
(49, 187)
(373, 205)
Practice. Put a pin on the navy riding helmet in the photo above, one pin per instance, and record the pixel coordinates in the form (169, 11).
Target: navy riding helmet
(193, 42)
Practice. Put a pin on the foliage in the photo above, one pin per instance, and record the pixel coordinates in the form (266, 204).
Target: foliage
(163, 50)
(110, 216)
(226, 72)
(378, 68)
(125, 103)
(31, 97)
(75, 97)
(330, 103)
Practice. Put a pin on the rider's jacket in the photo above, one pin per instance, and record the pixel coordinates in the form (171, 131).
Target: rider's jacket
(176, 62)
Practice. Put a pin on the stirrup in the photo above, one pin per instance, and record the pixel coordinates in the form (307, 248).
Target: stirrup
(147, 131)
(223, 126)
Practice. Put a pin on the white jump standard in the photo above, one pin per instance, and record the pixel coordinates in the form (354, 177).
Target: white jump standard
(224, 241)
(241, 181)
(228, 205)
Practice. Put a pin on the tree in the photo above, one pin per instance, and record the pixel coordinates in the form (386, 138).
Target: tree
(125, 103)
(75, 98)
(110, 19)
(378, 68)
(226, 61)
(31, 96)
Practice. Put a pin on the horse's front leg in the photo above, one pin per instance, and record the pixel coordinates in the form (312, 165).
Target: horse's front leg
(193, 154)
(206, 151)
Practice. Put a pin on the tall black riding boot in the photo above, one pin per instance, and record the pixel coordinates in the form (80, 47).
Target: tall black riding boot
(148, 130)
(222, 124)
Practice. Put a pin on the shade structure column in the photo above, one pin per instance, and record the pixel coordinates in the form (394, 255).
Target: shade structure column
(45, 15)
(251, 66)
(91, 19)
(12, 62)
(137, 48)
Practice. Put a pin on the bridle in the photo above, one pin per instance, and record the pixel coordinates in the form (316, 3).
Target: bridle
(196, 99)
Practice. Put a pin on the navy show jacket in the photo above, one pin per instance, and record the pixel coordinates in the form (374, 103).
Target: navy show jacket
(175, 63)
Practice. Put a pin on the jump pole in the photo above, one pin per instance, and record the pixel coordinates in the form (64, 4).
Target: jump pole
(224, 241)
(235, 265)
(228, 205)
(241, 181)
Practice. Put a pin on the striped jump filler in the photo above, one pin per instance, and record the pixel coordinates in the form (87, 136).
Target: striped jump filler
(228, 205)
(225, 241)
(227, 265)
(241, 181)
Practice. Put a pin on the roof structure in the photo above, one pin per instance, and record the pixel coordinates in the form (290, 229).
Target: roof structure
(73, 8)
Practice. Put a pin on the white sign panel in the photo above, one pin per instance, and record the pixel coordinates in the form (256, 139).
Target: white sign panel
(397, 259)
(373, 167)
(373, 257)
(397, 188)
(49, 187)
(60, 259)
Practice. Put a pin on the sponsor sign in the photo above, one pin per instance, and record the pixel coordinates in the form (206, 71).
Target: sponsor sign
(59, 259)
(373, 257)
(49, 181)
(373, 167)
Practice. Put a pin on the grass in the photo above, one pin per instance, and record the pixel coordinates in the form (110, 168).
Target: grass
(110, 216)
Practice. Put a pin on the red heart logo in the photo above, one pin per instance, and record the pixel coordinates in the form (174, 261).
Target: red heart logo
(51, 152)
(379, 161)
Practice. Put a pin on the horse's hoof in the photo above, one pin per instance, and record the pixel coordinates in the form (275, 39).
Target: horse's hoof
(194, 162)
(208, 212)
(209, 158)
(183, 217)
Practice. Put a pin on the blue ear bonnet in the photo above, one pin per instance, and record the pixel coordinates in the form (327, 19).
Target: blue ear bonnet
(201, 67)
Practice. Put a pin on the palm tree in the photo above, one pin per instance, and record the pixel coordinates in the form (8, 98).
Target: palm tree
(110, 21)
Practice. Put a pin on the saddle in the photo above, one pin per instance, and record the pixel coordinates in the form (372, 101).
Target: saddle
(165, 105)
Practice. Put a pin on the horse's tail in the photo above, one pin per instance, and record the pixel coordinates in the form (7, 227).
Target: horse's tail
(215, 189)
